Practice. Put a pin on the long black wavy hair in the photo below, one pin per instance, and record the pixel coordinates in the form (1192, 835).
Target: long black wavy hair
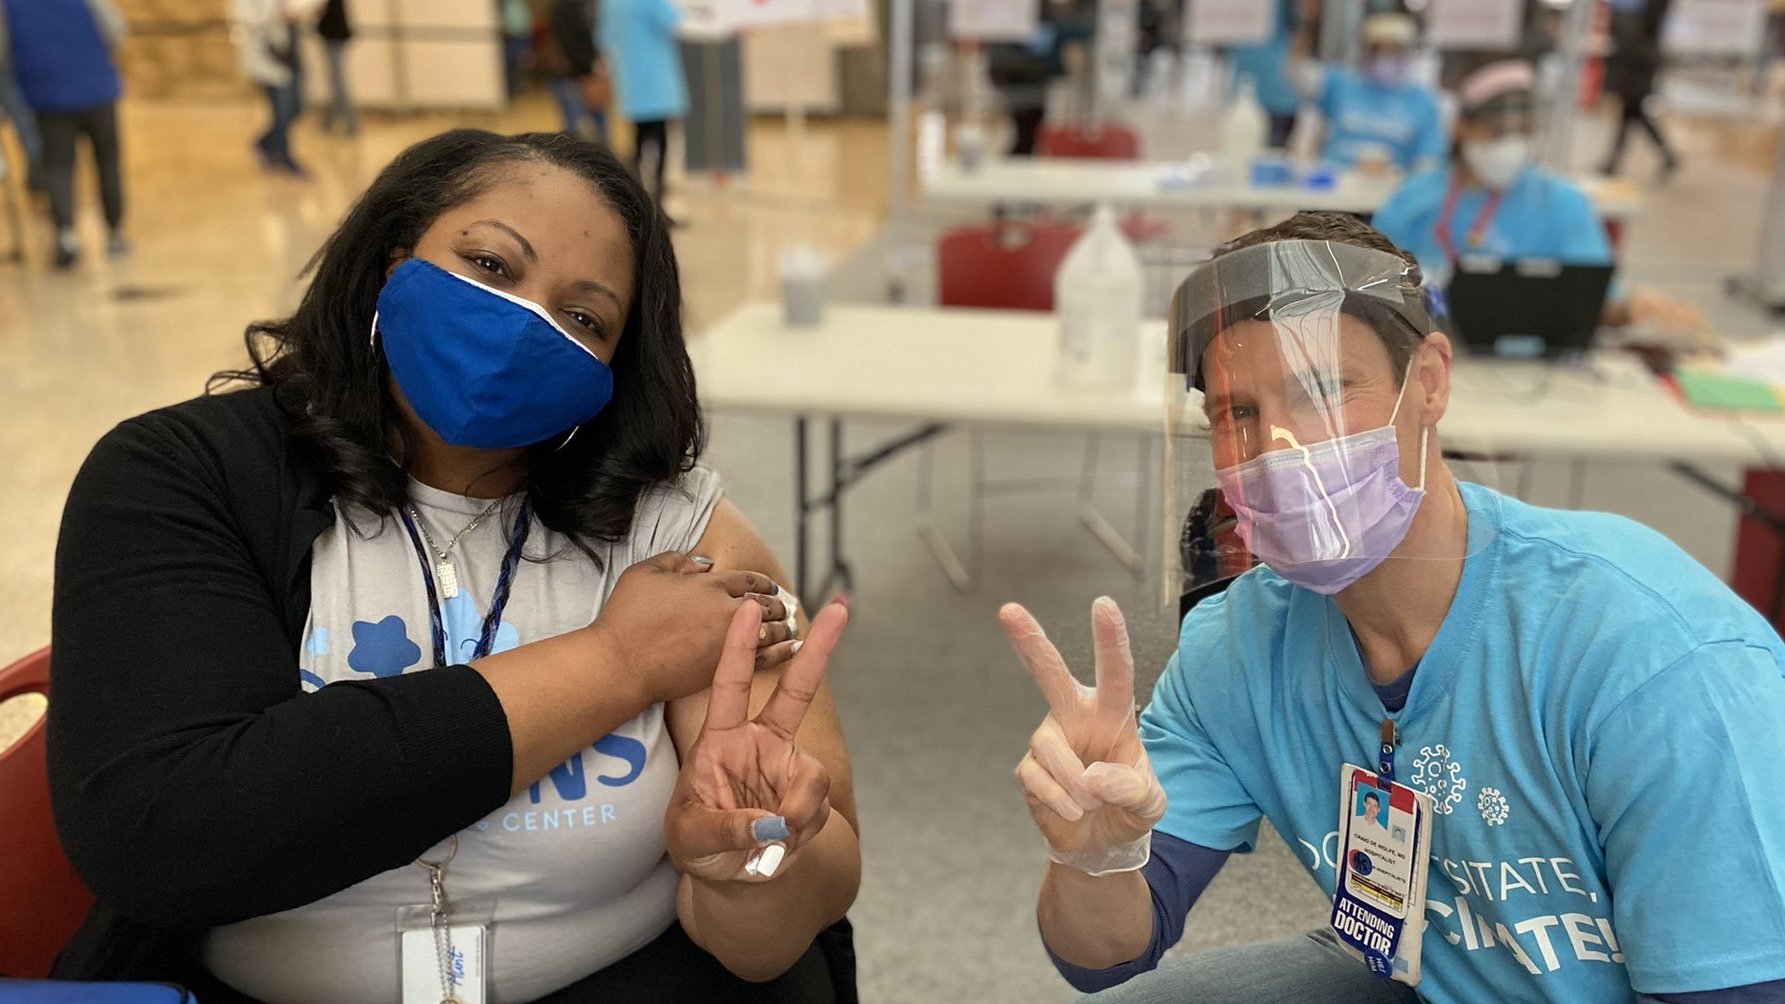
(333, 382)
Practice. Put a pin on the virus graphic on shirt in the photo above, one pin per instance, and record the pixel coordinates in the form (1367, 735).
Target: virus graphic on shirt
(1435, 773)
(1493, 806)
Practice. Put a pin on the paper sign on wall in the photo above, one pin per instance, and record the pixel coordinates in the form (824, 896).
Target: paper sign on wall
(993, 20)
(1475, 24)
(729, 16)
(1230, 22)
(1715, 27)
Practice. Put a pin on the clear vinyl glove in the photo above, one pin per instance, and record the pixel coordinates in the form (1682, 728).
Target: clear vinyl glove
(1089, 785)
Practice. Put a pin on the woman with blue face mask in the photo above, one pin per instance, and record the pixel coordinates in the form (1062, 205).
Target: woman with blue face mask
(430, 664)
(1379, 115)
(1544, 690)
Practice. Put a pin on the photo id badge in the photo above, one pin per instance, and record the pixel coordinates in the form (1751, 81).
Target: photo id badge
(1379, 902)
(444, 960)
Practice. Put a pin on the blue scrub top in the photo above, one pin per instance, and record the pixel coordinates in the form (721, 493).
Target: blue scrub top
(1543, 215)
(1403, 121)
(1267, 64)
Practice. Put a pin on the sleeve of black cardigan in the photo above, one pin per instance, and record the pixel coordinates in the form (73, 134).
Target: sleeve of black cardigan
(193, 783)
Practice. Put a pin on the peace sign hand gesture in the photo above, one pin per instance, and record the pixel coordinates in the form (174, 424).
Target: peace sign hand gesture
(748, 796)
(1086, 777)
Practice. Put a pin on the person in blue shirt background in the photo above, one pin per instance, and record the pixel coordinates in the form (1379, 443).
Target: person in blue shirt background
(1267, 65)
(1595, 716)
(640, 37)
(1495, 201)
(1380, 114)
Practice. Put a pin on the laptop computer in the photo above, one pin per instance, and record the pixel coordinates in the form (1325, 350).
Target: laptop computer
(1529, 309)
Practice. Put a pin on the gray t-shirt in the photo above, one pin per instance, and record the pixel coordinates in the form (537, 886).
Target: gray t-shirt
(574, 866)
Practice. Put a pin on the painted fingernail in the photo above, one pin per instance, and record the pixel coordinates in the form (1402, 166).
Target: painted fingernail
(797, 646)
(769, 828)
(698, 560)
(770, 858)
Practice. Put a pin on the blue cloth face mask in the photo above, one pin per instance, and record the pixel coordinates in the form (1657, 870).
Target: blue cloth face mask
(482, 368)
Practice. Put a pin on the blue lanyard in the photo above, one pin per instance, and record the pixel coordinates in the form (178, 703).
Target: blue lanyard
(517, 538)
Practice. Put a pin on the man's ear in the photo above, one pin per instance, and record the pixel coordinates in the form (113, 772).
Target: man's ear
(1431, 370)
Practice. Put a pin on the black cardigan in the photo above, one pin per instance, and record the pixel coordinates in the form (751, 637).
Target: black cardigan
(182, 585)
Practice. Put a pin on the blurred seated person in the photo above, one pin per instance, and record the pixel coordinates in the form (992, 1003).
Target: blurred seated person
(1495, 201)
(1380, 117)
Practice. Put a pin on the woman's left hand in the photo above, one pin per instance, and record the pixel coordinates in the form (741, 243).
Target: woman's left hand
(748, 796)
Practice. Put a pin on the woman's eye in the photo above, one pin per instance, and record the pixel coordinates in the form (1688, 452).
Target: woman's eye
(588, 323)
(489, 264)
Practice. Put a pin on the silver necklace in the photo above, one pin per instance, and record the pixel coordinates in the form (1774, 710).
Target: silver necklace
(445, 573)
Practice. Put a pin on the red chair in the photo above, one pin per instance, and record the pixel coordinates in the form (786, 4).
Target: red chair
(42, 901)
(1002, 264)
(1104, 142)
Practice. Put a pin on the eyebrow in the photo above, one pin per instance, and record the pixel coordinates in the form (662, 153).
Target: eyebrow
(591, 286)
(526, 245)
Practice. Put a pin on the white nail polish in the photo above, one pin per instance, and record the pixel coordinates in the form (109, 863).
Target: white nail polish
(769, 859)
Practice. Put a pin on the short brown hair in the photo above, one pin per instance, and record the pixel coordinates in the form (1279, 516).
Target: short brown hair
(1344, 228)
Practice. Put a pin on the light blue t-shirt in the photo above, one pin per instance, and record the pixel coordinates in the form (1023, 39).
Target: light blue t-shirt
(1543, 215)
(639, 37)
(1267, 65)
(1600, 722)
(1404, 122)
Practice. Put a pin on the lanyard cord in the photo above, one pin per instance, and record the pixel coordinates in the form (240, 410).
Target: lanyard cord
(517, 538)
(1489, 210)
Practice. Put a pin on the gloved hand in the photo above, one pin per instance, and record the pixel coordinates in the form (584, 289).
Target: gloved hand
(1086, 777)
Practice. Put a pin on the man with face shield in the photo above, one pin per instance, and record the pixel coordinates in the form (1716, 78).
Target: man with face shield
(1379, 115)
(1575, 726)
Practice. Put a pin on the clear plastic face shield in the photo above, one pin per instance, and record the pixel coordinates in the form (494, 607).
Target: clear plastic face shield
(1302, 391)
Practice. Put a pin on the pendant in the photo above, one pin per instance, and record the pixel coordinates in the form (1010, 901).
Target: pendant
(449, 578)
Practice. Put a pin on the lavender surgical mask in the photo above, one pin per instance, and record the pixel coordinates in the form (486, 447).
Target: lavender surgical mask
(1326, 515)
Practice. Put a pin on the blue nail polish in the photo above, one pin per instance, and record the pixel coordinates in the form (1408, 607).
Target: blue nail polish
(769, 828)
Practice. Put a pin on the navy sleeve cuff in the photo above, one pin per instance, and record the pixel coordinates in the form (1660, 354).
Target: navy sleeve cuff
(1176, 875)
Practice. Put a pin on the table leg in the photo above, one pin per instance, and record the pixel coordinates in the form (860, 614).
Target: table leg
(802, 513)
(840, 573)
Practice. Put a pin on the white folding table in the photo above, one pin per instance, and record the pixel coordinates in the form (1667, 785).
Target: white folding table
(997, 368)
(1163, 185)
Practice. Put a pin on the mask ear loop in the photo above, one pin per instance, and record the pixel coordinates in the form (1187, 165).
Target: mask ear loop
(567, 438)
(1424, 430)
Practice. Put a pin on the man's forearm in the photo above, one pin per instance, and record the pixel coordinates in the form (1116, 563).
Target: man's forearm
(1095, 922)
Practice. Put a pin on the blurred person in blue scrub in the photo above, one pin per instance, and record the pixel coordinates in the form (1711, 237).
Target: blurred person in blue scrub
(1593, 715)
(61, 56)
(1380, 114)
(1267, 66)
(15, 109)
(640, 38)
(1495, 201)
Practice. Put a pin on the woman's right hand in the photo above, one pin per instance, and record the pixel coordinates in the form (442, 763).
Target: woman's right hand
(666, 619)
(1086, 777)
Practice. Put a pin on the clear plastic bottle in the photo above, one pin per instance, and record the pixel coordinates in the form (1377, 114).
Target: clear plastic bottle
(1243, 126)
(1097, 293)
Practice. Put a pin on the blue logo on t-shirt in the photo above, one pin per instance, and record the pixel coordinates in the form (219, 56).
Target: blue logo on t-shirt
(382, 649)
